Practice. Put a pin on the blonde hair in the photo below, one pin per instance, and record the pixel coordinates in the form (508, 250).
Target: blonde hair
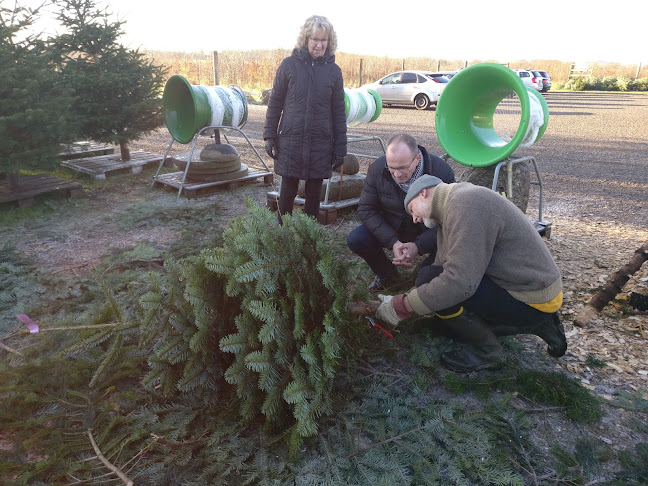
(312, 25)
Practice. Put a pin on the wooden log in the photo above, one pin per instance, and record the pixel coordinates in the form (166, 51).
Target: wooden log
(612, 287)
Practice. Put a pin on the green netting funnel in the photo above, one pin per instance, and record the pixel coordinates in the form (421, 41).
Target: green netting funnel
(188, 108)
(361, 105)
(465, 111)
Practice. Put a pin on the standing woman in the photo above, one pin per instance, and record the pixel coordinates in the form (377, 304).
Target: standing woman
(305, 128)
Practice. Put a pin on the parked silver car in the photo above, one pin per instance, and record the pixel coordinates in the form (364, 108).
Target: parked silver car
(546, 81)
(528, 78)
(538, 77)
(447, 74)
(409, 88)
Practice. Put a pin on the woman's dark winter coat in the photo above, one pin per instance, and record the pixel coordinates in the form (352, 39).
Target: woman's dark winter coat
(382, 203)
(306, 116)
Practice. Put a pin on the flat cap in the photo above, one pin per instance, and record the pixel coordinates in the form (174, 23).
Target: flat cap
(423, 182)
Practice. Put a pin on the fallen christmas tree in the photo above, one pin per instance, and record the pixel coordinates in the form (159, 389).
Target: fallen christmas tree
(265, 314)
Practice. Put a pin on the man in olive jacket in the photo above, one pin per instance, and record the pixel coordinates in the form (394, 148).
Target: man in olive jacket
(493, 275)
(385, 223)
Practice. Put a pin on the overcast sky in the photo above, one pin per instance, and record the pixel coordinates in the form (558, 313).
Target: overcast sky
(499, 30)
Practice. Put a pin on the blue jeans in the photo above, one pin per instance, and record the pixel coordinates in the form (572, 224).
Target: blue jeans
(496, 306)
(363, 243)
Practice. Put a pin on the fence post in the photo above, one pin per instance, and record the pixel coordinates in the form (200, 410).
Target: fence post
(360, 73)
(216, 75)
(217, 138)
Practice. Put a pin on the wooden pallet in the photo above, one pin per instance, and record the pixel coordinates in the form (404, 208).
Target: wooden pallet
(36, 185)
(78, 150)
(102, 165)
(328, 213)
(191, 190)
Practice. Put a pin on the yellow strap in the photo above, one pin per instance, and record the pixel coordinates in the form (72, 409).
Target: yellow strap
(458, 313)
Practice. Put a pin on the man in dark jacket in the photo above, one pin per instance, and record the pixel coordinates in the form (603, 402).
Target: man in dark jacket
(305, 129)
(385, 223)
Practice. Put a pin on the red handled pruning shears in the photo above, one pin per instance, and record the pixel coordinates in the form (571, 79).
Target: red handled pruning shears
(373, 323)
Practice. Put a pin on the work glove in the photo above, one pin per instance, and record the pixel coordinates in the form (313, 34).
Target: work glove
(392, 309)
(271, 148)
(386, 312)
(337, 163)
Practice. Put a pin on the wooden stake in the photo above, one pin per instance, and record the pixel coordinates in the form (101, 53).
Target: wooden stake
(612, 287)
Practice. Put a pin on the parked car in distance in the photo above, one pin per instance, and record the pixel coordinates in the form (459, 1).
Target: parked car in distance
(528, 78)
(441, 79)
(538, 77)
(409, 88)
(546, 81)
(447, 74)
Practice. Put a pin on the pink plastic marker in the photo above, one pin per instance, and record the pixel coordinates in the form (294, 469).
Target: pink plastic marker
(33, 327)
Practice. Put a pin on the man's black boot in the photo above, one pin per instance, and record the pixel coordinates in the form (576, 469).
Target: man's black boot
(550, 330)
(482, 350)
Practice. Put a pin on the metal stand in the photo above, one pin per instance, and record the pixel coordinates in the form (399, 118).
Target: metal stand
(193, 146)
(355, 139)
(543, 227)
(328, 210)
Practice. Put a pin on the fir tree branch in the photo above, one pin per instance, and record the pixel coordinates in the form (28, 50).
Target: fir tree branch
(169, 443)
(386, 441)
(534, 410)
(127, 263)
(11, 350)
(73, 328)
(101, 457)
(78, 265)
(374, 372)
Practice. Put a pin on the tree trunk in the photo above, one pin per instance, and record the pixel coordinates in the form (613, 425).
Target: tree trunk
(612, 287)
(367, 308)
(125, 151)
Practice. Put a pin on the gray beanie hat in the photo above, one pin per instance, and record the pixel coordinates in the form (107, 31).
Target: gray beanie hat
(418, 185)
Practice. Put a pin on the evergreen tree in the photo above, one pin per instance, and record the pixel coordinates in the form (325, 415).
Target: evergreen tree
(266, 313)
(33, 112)
(118, 91)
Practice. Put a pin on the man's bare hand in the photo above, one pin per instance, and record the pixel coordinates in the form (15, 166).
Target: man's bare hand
(404, 253)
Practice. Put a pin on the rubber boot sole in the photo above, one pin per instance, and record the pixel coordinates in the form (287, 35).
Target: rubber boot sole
(467, 361)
